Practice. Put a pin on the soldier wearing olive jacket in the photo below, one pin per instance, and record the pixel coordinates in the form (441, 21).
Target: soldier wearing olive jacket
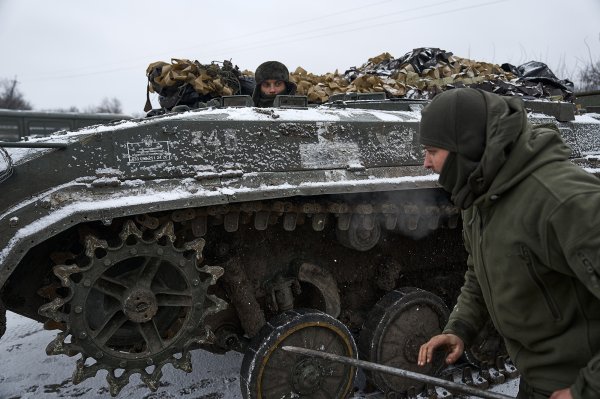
(531, 224)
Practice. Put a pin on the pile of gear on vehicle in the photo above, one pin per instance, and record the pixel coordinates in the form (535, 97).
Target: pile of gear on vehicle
(419, 74)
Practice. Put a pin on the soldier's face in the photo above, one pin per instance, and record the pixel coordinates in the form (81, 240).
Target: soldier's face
(435, 158)
(272, 87)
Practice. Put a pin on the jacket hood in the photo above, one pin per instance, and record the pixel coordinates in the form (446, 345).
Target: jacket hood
(455, 121)
(492, 145)
(535, 147)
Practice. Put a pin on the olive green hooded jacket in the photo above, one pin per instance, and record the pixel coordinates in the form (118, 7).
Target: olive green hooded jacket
(532, 231)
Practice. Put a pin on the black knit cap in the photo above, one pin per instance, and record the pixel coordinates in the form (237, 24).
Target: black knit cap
(455, 120)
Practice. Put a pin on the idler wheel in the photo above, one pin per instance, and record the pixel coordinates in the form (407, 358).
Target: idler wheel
(396, 328)
(268, 372)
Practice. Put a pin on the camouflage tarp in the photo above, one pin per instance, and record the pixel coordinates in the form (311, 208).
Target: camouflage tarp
(424, 72)
(185, 82)
(420, 73)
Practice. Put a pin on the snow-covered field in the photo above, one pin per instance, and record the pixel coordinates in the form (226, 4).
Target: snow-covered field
(26, 372)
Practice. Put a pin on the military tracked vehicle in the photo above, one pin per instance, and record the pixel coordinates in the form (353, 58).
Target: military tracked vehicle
(16, 125)
(245, 229)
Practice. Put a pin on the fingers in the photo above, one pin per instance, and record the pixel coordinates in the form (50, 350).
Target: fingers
(427, 349)
(456, 348)
(422, 359)
(454, 354)
(453, 343)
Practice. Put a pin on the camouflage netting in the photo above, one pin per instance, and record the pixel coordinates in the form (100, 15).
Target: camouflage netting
(185, 82)
(420, 74)
(424, 72)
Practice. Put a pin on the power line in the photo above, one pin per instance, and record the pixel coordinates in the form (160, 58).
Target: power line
(353, 22)
(362, 20)
(250, 34)
(294, 37)
(287, 41)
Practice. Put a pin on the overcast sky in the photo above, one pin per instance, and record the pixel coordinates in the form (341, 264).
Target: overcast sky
(76, 52)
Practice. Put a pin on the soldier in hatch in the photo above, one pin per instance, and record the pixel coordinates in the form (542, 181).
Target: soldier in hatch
(272, 78)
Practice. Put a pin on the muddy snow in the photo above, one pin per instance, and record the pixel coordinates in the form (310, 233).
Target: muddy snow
(27, 373)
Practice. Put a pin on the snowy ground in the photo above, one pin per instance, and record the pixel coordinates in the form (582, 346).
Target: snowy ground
(27, 373)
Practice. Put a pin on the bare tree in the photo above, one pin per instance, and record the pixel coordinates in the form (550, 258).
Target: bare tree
(11, 97)
(108, 105)
(589, 76)
(72, 108)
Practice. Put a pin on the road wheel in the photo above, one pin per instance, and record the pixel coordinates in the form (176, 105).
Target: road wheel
(396, 328)
(268, 372)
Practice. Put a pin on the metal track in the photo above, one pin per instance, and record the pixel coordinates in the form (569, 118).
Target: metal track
(79, 275)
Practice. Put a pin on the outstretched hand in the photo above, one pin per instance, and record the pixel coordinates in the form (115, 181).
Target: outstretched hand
(453, 344)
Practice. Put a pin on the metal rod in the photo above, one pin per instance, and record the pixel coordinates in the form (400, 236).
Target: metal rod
(453, 386)
(19, 144)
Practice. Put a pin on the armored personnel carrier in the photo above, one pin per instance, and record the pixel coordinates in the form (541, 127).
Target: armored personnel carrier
(245, 229)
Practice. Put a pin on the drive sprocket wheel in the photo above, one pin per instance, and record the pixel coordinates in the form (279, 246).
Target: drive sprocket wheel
(134, 307)
(396, 328)
(268, 372)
